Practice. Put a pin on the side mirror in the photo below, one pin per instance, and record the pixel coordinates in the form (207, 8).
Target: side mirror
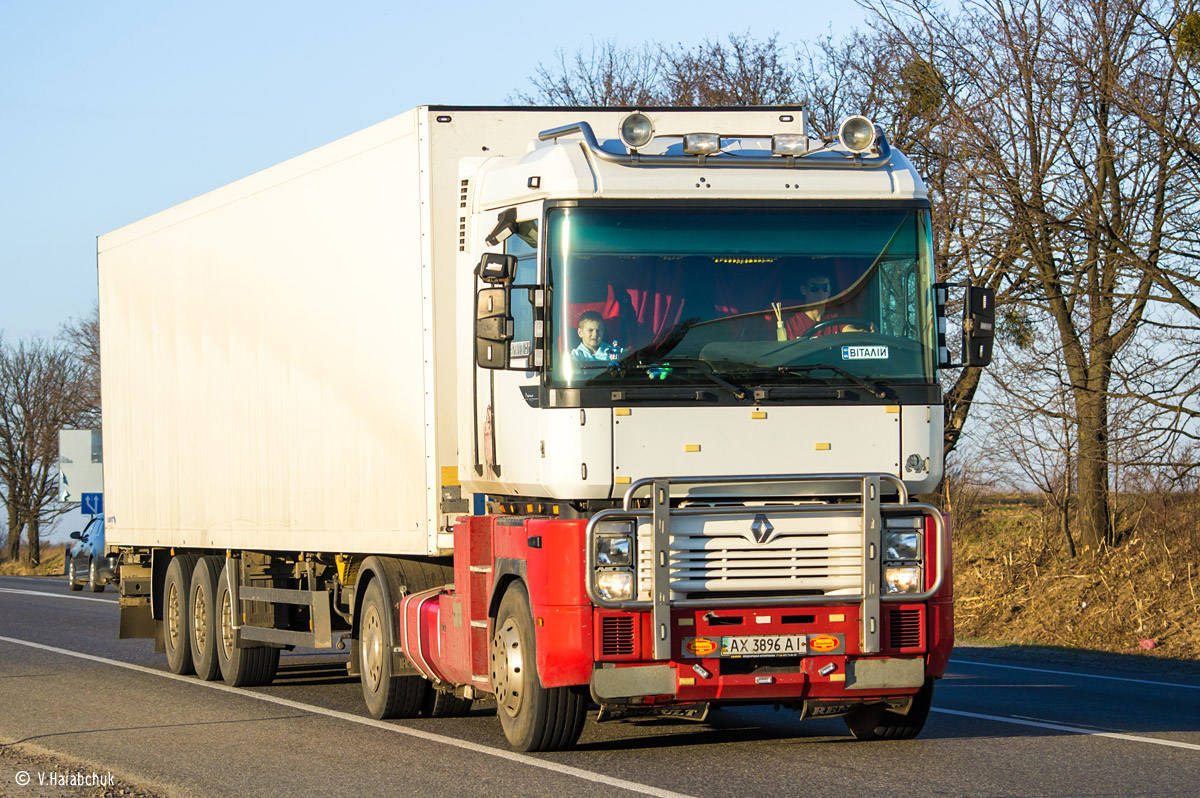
(76, 535)
(493, 328)
(506, 225)
(979, 325)
(497, 269)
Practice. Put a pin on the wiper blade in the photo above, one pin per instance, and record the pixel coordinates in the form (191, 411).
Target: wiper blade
(806, 371)
(700, 366)
(669, 341)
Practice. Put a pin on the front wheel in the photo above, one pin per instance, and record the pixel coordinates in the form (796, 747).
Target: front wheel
(877, 722)
(534, 718)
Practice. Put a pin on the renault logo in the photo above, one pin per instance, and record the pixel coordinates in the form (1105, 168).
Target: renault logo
(761, 529)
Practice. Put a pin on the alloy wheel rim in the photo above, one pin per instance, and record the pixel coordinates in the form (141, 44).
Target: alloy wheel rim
(227, 626)
(370, 645)
(173, 614)
(508, 668)
(199, 618)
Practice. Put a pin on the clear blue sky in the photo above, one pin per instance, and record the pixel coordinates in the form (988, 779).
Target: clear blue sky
(111, 111)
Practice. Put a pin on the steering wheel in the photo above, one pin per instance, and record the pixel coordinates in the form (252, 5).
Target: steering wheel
(826, 323)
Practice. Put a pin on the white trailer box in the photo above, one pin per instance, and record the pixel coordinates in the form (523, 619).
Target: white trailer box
(278, 354)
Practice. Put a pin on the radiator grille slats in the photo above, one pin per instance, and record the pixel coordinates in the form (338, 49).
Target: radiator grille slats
(616, 635)
(905, 628)
(821, 562)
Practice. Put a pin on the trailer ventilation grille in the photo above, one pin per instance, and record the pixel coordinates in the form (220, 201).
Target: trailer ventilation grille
(905, 629)
(616, 635)
(463, 189)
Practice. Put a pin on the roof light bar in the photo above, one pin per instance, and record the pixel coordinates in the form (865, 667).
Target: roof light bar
(701, 143)
(857, 134)
(789, 144)
(636, 130)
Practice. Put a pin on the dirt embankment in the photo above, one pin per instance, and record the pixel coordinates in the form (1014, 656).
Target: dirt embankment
(1015, 582)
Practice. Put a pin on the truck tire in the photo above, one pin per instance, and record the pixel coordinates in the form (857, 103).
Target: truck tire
(534, 718)
(203, 623)
(72, 579)
(877, 722)
(176, 617)
(386, 695)
(94, 583)
(240, 667)
(440, 704)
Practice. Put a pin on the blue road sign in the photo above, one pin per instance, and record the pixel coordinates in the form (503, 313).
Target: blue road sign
(91, 503)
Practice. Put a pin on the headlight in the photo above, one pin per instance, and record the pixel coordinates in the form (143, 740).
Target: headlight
(902, 546)
(614, 551)
(615, 585)
(614, 543)
(902, 579)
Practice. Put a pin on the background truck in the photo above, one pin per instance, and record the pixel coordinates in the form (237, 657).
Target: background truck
(551, 406)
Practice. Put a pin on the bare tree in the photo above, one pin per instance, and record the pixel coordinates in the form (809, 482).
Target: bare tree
(1090, 209)
(42, 389)
(82, 337)
(606, 75)
(741, 71)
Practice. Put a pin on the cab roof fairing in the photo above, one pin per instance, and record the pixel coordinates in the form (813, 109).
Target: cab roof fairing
(567, 169)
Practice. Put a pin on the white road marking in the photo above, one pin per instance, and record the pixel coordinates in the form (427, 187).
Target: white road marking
(511, 756)
(1061, 727)
(1084, 725)
(55, 595)
(1074, 673)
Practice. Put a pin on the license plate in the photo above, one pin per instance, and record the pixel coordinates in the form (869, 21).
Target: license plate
(764, 646)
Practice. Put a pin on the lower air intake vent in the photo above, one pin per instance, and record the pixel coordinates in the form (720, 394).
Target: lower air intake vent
(616, 635)
(905, 631)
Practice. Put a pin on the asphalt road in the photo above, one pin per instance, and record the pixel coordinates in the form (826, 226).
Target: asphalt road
(1006, 722)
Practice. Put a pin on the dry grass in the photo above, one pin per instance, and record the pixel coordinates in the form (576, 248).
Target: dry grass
(1015, 583)
(53, 558)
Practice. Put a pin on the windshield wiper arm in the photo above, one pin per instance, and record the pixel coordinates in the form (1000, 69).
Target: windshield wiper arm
(702, 367)
(870, 388)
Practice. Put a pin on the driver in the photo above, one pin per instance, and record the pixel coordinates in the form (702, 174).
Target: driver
(817, 291)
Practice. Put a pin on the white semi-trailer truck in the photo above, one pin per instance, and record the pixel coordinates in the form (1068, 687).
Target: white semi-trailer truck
(547, 406)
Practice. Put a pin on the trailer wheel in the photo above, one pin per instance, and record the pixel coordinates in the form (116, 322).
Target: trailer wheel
(876, 722)
(440, 704)
(94, 583)
(386, 695)
(72, 579)
(203, 625)
(176, 616)
(240, 667)
(534, 718)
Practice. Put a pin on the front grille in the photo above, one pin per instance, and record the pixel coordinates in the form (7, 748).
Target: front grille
(905, 628)
(616, 635)
(817, 558)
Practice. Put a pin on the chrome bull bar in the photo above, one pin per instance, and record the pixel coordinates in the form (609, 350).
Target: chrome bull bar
(660, 514)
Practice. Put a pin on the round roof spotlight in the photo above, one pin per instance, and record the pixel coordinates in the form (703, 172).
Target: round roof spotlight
(857, 134)
(636, 130)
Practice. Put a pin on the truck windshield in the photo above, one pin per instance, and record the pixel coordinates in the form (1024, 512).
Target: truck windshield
(776, 295)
